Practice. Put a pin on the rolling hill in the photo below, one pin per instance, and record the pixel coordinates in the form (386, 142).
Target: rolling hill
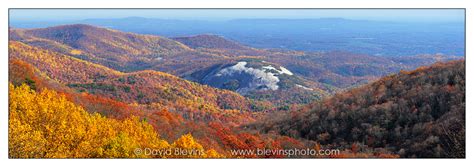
(209, 41)
(200, 58)
(111, 48)
(418, 113)
(143, 87)
(174, 107)
(84, 42)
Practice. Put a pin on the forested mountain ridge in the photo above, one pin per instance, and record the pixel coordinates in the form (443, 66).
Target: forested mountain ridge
(131, 52)
(209, 41)
(111, 48)
(418, 113)
(185, 121)
(144, 87)
(188, 57)
(119, 51)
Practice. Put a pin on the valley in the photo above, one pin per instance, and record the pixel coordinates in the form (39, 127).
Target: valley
(221, 95)
(200, 58)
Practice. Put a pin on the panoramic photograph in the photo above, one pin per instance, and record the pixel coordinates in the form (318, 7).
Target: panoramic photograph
(236, 83)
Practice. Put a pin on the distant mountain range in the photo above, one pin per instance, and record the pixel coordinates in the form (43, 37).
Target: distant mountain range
(325, 34)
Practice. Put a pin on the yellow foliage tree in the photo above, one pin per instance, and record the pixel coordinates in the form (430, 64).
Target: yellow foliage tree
(47, 125)
(187, 147)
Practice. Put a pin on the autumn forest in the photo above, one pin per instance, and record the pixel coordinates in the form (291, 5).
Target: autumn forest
(92, 91)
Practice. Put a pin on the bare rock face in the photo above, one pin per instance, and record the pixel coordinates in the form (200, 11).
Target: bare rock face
(243, 78)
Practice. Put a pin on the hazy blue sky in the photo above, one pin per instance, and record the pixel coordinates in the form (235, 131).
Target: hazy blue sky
(429, 15)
